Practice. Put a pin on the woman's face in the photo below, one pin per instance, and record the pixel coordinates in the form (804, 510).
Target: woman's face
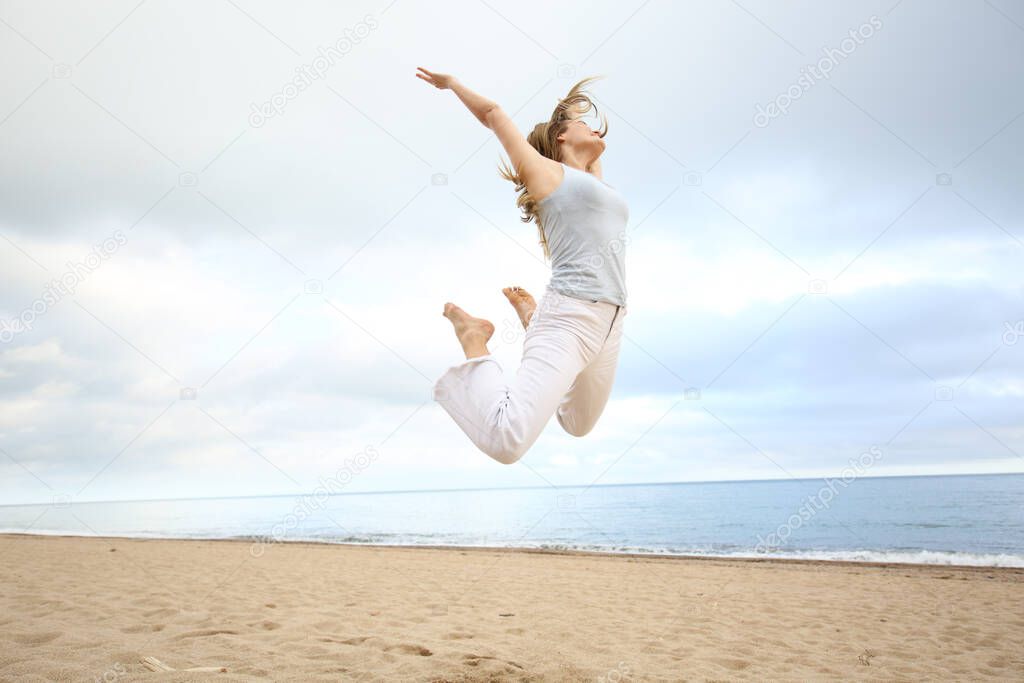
(580, 136)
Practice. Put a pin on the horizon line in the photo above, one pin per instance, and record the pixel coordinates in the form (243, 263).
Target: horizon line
(515, 488)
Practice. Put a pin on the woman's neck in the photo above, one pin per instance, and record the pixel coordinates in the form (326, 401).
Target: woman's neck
(576, 162)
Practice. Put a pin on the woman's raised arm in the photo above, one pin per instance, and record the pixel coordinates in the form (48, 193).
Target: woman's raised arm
(477, 104)
(527, 161)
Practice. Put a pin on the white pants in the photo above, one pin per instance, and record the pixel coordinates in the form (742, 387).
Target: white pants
(570, 354)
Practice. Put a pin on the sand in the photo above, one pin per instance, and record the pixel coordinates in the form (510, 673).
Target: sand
(92, 608)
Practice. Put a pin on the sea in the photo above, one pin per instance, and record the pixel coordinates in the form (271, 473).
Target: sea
(973, 520)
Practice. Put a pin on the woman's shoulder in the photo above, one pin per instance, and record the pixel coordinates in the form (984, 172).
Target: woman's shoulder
(556, 177)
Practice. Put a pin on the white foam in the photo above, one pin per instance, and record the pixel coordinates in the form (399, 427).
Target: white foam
(905, 557)
(930, 557)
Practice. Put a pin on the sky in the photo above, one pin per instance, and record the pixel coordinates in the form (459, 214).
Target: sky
(218, 283)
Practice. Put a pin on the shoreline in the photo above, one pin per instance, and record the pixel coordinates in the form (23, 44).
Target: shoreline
(304, 493)
(87, 608)
(671, 557)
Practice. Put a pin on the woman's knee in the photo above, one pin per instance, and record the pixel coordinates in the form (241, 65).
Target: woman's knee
(508, 452)
(574, 426)
(509, 442)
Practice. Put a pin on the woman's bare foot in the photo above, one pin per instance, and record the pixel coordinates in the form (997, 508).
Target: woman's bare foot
(522, 301)
(473, 333)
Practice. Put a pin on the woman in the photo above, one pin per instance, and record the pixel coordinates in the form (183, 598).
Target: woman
(572, 339)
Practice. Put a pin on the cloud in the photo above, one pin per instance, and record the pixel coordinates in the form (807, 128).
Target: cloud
(847, 275)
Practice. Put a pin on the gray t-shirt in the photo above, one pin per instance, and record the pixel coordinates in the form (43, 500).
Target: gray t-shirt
(584, 221)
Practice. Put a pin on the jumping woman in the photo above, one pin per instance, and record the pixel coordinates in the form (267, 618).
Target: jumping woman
(571, 347)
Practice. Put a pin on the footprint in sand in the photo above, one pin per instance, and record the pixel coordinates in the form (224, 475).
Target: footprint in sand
(409, 649)
(143, 628)
(205, 633)
(457, 635)
(474, 660)
(348, 641)
(403, 648)
(734, 664)
(163, 612)
(35, 638)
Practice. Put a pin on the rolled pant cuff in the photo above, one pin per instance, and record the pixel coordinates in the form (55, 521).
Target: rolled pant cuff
(456, 373)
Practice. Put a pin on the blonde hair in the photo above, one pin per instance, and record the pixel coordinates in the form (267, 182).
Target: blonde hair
(544, 139)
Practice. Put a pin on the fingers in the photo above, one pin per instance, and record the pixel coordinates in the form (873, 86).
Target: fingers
(429, 78)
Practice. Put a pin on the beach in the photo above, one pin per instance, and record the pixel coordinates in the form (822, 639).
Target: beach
(79, 608)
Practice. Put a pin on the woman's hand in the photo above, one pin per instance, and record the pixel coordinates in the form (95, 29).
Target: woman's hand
(439, 81)
(478, 105)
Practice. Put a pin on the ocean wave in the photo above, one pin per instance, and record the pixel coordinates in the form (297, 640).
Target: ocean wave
(885, 556)
(936, 557)
(881, 556)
